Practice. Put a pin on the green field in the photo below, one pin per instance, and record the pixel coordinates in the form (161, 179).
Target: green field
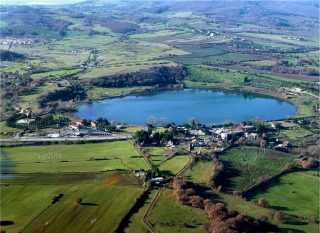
(5, 129)
(98, 93)
(169, 216)
(281, 39)
(101, 211)
(294, 134)
(136, 224)
(174, 165)
(200, 171)
(295, 193)
(247, 166)
(72, 158)
(156, 155)
(22, 203)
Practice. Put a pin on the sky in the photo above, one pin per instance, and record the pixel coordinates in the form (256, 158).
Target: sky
(38, 2)
(57, 2)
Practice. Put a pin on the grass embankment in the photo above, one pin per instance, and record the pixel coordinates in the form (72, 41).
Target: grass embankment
(172, 166)
(295, 193)
(247, 166)
(72, 158)
(169, 216)
(136, 224)
(286, 193)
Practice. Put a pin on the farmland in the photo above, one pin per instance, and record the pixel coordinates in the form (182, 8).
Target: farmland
(56, 58)
(73, 158)
(168, 216)
(100, 204)
(174, 165)
(250, 166)
(286, 194)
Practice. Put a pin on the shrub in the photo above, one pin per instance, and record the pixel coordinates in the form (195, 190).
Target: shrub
(263, 202)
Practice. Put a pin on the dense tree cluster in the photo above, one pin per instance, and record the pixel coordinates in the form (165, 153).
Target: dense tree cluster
(217, 175)
(101, 124)
(223, 220)
(186, 195)
(154, 76)
(16, 84)
(40, 122)
(147, 137)
(116, 26)
(6, 55)
(64, 94)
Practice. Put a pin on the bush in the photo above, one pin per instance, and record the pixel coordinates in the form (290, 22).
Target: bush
(263, 203)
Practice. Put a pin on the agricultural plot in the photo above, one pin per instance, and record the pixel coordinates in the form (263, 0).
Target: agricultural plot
(136, 224)
(199, 172)
(98, 93)
(247, 166)
(295, 193)
(156, 155)
(174, 165)
(169, 216)
(159, 33)
(119, 155)
(20, 204)
(295, 134)
(281, 39)
(101, 210)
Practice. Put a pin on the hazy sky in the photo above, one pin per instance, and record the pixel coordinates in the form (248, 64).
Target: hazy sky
(38, 2)
(55, 2)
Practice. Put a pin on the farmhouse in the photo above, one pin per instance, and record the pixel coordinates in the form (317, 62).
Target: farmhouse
(230, 134)
(25, 121)
(157, 180)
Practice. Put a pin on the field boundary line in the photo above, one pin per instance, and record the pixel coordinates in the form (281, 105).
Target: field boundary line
(185, 167)
(149, 210)
(144, 157)
(32, 220)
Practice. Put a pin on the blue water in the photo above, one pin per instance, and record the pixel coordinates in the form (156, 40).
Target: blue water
(206, 106)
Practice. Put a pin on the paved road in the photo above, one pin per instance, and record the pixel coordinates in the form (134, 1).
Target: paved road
(63, 139)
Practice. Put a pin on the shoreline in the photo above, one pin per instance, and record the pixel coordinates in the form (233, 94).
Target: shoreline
(200, 86)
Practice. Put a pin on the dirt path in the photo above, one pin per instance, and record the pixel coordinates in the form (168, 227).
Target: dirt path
(144, 157)
(149, 210)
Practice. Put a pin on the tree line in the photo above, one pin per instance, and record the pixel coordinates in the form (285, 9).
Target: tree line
(153, 76)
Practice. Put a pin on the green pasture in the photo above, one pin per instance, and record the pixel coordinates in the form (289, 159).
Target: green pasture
(73, 158)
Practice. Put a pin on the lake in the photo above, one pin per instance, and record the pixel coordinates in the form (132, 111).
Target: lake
(179, 106)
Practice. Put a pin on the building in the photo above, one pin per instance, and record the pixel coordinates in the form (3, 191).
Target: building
(25, 121)
(53, 135)
(157, 180)
(230, 134)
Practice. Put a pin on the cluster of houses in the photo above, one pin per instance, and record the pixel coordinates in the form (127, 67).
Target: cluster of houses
(220, 138)
(27, 112)
(9, 40)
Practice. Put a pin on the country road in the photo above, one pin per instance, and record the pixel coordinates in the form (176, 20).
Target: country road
(64, 139)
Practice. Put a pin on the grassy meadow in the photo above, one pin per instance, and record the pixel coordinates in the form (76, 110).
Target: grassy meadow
(287, 194)
(169, 216)
(247, 166)
(102, 209)
(119, 155)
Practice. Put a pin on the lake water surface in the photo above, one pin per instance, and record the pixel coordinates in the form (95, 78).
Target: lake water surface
(206, 106)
